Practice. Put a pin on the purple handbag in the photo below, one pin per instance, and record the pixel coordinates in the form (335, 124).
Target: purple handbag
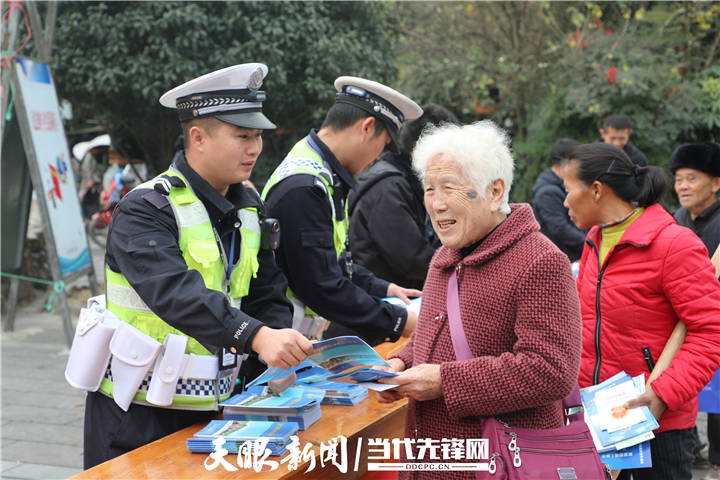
(565, 453)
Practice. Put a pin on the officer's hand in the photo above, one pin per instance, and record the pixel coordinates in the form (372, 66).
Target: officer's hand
(395, 290)
(411, 323)
(282, 348)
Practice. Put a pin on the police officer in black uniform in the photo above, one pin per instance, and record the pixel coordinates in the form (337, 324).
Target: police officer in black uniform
(307, 194)
(223, 139)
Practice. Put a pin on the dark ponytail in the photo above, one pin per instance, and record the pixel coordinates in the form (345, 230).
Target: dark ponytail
(643, 186)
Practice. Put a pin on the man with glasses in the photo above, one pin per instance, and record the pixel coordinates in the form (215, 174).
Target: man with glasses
(307, 193)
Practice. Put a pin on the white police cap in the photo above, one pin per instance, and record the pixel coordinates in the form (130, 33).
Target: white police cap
(231, 94)
(381, 101)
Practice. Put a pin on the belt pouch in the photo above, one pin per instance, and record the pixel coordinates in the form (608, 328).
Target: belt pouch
(133, 353)
(90, 351)
(166, 371)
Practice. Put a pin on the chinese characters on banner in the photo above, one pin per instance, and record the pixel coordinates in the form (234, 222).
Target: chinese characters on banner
(426, 453)
(58, 190)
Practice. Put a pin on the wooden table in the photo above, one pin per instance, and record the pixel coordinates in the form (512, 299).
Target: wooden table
(168, 457)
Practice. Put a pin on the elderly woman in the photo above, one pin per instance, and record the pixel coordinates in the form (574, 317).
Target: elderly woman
(518, 303)
(640, 274)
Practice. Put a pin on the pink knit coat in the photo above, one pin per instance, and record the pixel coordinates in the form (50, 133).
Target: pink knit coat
(521, 315)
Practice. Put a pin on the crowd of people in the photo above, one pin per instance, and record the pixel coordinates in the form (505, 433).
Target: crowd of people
(196, 254)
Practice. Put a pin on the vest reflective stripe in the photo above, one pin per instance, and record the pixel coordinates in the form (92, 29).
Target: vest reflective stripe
(303, 159)
(201, 252)
(201, 398)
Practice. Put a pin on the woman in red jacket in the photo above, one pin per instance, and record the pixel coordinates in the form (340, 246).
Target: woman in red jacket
(640, 274)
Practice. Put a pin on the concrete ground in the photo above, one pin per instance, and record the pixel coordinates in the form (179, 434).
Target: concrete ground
(41, 416)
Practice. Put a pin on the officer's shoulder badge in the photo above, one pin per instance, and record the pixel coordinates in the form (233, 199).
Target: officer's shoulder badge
(165, 182)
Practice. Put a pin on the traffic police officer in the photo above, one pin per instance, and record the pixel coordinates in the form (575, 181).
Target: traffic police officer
(307, 194)
(185, 256)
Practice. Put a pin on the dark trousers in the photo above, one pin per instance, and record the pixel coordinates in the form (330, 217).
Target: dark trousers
(111, 432)
(713, 431)
(672, 457)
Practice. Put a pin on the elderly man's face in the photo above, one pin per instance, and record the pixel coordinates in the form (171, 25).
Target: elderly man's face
(696, 190)
(460, 215)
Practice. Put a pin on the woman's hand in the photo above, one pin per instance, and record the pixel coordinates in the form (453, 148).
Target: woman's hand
(649, 399)
(390, 396)
(420, 383)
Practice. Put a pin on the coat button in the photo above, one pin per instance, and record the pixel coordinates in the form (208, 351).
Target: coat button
(169, 371)
(133, 355)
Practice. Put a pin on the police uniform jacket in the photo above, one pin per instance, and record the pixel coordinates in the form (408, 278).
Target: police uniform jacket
(309, 260)
(143, 246)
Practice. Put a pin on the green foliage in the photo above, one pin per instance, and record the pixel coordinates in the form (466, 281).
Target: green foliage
(113, 60)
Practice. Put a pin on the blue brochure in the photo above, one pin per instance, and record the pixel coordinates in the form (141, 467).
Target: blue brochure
(637, 456)
(236, 433)
(334, 358)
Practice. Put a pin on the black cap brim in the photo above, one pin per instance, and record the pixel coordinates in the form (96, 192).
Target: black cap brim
(253, 120)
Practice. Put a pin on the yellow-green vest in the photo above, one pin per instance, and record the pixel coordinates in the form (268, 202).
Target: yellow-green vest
(303, 159)
(201, 252)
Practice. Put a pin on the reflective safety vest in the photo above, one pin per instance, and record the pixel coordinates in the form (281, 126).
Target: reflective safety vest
(303, 159)
(202, 251)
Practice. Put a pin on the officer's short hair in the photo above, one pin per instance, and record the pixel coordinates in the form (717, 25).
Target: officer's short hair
(618, 122)
(343, 115)
(209, 124)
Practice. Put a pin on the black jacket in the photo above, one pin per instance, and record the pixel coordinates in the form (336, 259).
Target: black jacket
(706, 225)
(548, 197)
(637, 156)
(143, 245)
(307, 257)
(389, 234)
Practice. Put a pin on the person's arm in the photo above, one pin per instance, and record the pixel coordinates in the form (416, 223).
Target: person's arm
(365, 279)
(692, 288)
(307, 256)
(544, 363)
(143, 246)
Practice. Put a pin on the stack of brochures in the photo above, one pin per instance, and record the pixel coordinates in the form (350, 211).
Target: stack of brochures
(309, 375)
(339, 393)
(621, 436)
(295, 404)
(236, 433)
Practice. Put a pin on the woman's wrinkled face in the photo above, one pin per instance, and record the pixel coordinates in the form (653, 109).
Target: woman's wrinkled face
(579, 201)
(459, 214)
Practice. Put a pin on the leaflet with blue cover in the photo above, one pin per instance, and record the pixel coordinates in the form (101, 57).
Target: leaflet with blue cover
(294, 404)
(337, 393)
(347, 356)
(608, 420)
(637, 456)
(236, 433)
(413, 306)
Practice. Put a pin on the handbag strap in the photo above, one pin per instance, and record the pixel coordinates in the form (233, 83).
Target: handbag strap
(463, 352)
(457, 332)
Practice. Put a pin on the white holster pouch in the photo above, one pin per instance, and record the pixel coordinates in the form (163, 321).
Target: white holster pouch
(167, 370)
(133, 355)
(90, 351)
(309, 325)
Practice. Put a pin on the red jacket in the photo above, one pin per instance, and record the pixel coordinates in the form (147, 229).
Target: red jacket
(657, 274)
(521, 317)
